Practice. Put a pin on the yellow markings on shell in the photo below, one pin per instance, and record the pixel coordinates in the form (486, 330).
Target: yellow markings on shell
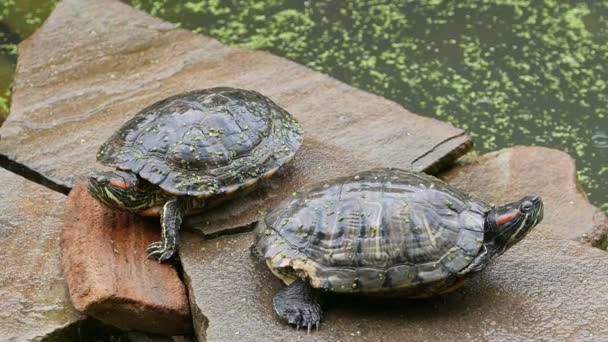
(308, 268)
(286, 279)
(453, 249)
(328, 257)
(300, 265)
(277, 258)
(249, 183)
(231, 190)
(431, 236)
(378, 247)
(340, 257)
(270, 173)
(451, 252)
(429, 232)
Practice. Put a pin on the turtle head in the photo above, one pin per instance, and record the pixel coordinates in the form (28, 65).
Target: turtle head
(508, 224)
(120, 190)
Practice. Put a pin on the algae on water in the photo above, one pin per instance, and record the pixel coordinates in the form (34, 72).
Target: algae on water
(507, 71)
(18, 20)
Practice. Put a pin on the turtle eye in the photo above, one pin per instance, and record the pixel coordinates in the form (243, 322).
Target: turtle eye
(527, 206)
(120, 184)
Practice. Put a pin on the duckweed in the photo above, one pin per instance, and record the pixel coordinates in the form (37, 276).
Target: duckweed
(509, 71)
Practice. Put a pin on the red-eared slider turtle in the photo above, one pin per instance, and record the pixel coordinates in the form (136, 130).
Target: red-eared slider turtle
(383, 231)
(191, 151)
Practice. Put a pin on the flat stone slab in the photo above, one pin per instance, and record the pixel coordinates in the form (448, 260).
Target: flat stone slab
(34, 300)
(109, 276)
(512, 173)
(95, 63)
(547, 287)
(542, 289)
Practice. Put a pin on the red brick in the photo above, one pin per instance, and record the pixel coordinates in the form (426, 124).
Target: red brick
(108, 274)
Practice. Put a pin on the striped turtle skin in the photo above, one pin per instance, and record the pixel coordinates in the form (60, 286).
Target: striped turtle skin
(380, 231)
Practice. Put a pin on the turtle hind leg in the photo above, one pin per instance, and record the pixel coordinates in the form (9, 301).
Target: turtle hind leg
(171, 220)
(299, 304)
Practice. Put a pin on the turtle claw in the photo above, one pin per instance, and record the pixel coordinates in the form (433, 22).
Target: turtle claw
(165, 256)
(159, 251)
(153, 254)
(298, 304)
(154, 246)
(303, 317)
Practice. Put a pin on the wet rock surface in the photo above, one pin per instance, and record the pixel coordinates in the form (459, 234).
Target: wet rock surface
(108, 274)
(542, 289)
(546, 287)
(95, 63)
(512, 173)
(34, 300)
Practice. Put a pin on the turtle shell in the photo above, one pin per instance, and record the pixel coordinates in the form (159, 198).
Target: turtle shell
(205, 142)
(377, 231)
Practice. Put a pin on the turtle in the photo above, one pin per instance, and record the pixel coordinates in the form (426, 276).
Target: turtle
(382, 232)
(191, 151)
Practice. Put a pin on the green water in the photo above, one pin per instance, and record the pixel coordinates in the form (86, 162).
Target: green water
(508, 72)
(18, 20)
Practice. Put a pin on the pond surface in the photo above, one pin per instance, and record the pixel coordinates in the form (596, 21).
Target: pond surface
(507, 71)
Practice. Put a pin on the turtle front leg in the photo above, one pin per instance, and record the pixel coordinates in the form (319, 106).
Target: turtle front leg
(170, 220)
(299, 304)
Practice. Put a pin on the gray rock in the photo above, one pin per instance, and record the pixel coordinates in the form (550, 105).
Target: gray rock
(34, 300)
(511, 173)
(542, 289)
(95, 63)
(545, 288)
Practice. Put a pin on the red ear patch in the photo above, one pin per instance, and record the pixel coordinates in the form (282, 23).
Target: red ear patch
(120, 184)
(504, 218)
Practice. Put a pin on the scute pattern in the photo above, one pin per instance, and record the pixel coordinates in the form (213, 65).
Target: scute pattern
(205, 142)
(376, 231)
